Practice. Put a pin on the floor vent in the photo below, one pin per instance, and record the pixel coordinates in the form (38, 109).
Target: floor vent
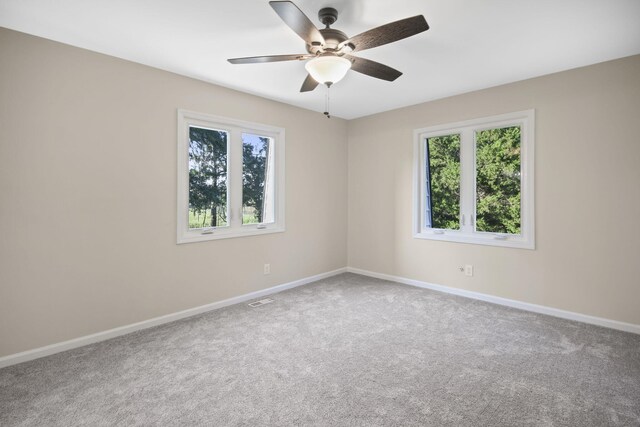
(260, 302)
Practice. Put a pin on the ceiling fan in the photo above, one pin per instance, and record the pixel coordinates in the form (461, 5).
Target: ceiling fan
(330, 50)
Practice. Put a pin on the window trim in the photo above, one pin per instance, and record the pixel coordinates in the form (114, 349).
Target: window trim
(235, 128)
(467, 129)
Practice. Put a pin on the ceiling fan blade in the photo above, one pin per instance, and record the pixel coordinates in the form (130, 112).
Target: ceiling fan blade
(298, 21)
(388, 33)
(271, 58)
(373, 69)
(309, 84)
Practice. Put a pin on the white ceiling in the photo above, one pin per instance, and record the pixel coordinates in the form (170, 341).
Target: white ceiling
(471, 45)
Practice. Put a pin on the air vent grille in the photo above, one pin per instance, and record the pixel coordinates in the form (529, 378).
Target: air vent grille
(260, 302)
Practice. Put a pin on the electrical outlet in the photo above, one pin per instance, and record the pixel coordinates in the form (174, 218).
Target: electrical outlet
(468, 270)
(267, 269)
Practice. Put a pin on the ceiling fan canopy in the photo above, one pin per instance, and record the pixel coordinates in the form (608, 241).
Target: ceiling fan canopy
(329, 50)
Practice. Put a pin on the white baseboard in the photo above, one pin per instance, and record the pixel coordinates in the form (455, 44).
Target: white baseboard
(584, 318)
(36, 353)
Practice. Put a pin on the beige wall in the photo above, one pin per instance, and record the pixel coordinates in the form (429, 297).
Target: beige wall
(88, 195)
(587, 194)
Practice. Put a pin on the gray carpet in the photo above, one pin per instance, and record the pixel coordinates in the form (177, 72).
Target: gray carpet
(345, 351)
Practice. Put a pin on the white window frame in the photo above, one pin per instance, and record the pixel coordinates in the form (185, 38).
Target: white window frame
(235, 128)
(467, 232)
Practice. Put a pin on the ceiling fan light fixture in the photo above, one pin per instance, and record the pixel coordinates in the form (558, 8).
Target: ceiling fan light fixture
(328, 69)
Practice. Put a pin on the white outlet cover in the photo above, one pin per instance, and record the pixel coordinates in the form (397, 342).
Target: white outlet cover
(468, 270)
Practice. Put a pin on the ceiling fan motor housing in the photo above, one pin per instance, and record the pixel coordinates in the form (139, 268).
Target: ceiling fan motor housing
(332, 38)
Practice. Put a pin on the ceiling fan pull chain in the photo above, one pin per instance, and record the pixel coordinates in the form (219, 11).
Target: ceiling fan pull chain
(326, 103)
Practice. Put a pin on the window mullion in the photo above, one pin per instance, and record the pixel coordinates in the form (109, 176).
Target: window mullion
(467, 179)
(235, 178)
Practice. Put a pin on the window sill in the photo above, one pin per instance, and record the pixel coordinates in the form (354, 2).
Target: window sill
(487, 239)
(206, 234)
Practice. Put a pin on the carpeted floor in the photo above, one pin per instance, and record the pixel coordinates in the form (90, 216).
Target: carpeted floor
(345, 351)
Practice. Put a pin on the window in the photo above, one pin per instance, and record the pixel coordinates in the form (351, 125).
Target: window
(230, 178)
(474, 181)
